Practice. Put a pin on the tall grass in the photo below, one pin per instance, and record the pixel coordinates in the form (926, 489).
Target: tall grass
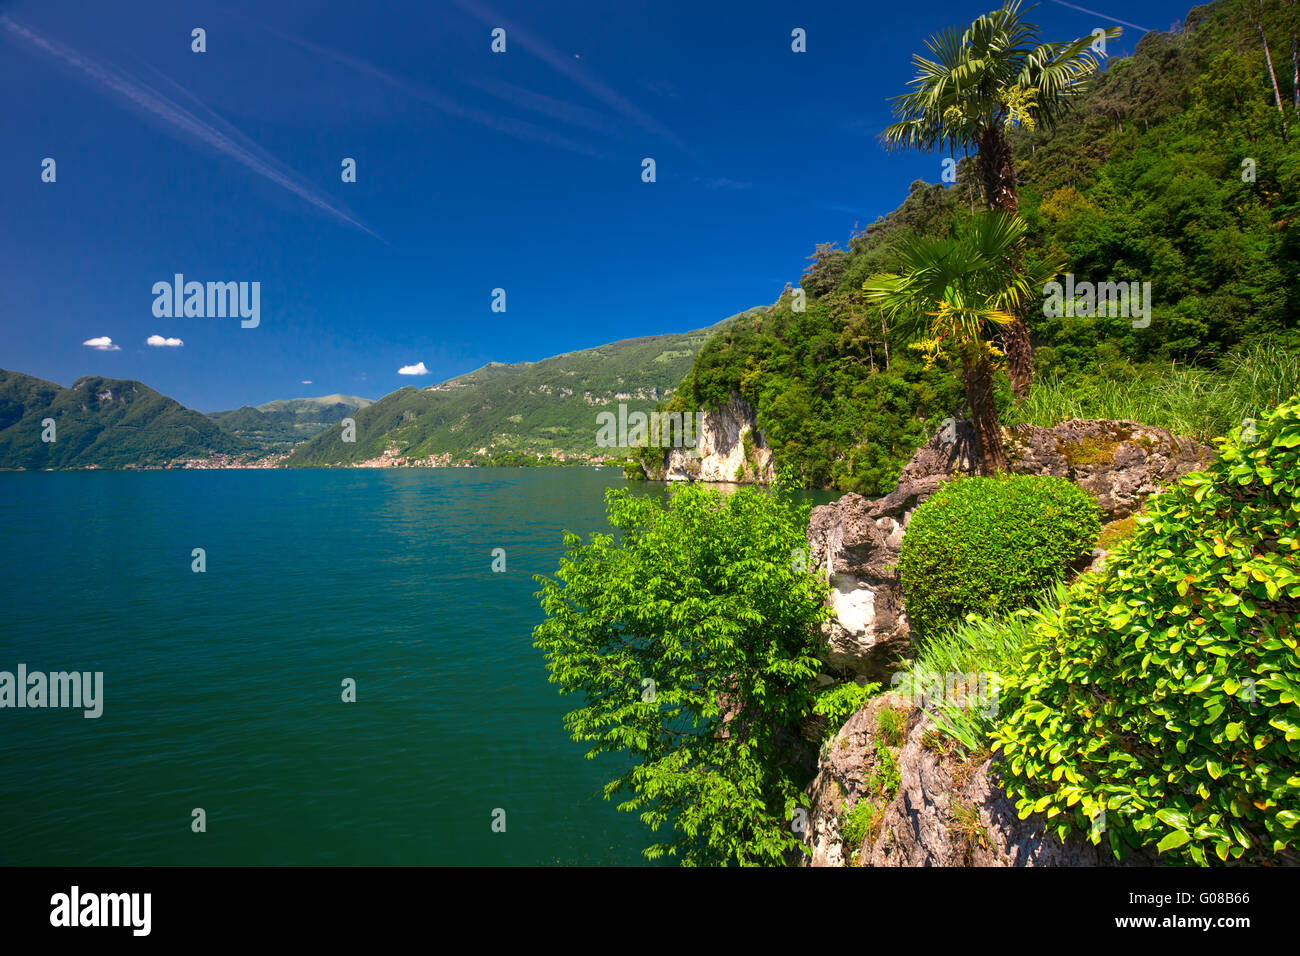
(1197, 402)
(977, 646)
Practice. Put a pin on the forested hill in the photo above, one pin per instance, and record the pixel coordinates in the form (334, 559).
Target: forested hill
(279, 425)
(1176, 167)
(515, 413)
(101, 422)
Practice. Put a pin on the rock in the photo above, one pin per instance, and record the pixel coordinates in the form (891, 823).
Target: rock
(948, 809)
(721, 454)
(857, 541)
(1120, 463)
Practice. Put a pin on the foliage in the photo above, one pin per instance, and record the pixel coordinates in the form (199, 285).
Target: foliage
(701, 597)
(279, 425)
(838, 703)
(1187, 400)
(1141, 180)
(989, 545)
(991, 74)
(970, 658)
(859, 822)
(1165, 692)
(104, 423)
(527, 408)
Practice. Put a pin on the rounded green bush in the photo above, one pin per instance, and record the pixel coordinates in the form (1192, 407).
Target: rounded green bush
(990, 545)
(1160, 703)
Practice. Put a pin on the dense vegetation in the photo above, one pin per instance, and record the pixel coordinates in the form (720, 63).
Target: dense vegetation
(1145, 178)
(690, 635)
(989, 545)
(1163, 696)
(515, 413)
(279, 425)
(104, 422)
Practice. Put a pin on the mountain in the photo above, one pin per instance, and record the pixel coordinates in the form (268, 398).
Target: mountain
(101, 422)
(1175, 170)
(278, 425)
(519, 411)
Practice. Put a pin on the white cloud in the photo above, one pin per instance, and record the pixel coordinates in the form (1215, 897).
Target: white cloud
(157, 341)
(103, 344)
(413, 370)
(306, 381)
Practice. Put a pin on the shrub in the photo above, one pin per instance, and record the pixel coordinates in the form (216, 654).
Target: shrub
(689, 637)
(989, 545)
(1166, 690)
(837, 704)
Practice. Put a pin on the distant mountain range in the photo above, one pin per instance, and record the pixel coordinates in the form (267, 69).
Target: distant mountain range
(279, 425)
(102, 422)
(512, 413)
(499, 412)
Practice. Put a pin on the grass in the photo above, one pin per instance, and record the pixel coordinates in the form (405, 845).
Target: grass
(1117, 531)
(981, 648)
(1196, 402)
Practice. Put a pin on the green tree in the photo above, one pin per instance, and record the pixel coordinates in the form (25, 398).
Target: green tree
(952, 294)
(691, 634)
(983, 80)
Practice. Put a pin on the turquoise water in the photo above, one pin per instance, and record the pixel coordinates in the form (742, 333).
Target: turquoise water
(222, 690)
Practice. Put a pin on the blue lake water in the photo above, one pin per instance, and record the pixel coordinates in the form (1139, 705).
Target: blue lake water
(222, 689)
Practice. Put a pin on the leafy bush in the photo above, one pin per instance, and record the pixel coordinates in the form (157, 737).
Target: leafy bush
(1166, 690)
(859, 822)
(837, 704)
(700, 597)
(989, 545)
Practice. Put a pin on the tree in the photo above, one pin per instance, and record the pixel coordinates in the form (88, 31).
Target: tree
(691, 633)
(983, 80)
(952, 294)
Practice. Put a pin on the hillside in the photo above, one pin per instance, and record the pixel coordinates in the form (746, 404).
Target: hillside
(517, 412)
(1175, 169)
(101, 422)
(281, 424)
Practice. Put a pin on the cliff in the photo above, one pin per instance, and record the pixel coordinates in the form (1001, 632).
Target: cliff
(730, 448)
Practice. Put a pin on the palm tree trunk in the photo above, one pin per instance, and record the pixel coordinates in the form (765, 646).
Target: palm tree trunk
(977, 375)
(997, 175)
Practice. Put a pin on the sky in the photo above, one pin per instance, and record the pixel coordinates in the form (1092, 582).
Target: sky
(521, 170)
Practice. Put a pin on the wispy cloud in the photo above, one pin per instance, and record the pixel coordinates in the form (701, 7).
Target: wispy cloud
(723, 183)
(175, 117)
(1104, 16)
(101, 343)
(520, 129)
(572, 68)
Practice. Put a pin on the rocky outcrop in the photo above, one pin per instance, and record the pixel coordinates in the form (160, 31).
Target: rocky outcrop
(857, 540)
(939, 808)
(730, 448)
(1120, 463)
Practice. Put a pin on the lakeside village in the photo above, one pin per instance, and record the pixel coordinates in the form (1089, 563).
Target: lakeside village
(622, 431)
(392, 458)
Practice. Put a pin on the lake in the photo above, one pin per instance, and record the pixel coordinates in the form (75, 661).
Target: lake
(223, 689)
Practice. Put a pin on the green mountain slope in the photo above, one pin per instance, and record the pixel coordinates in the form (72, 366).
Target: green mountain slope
(278, 425)
(103, 422)
(526, 409)
(1175, 169)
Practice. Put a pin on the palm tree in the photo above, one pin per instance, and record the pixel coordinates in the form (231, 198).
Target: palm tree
(952, 295)
(982, 80)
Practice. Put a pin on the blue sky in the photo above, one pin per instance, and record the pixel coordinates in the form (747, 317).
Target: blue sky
(475, 171)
